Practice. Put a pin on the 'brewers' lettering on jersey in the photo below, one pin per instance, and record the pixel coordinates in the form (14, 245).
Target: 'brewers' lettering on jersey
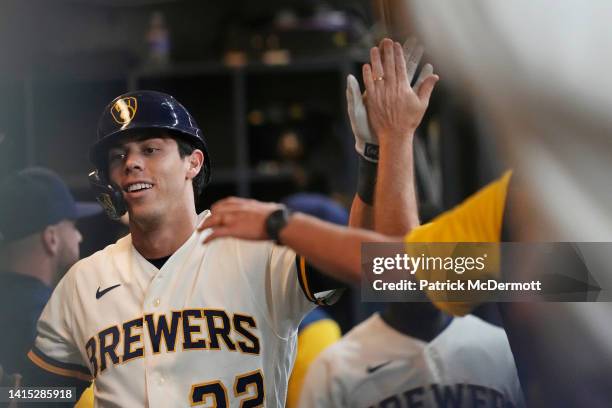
(448, 396)
(189, 329)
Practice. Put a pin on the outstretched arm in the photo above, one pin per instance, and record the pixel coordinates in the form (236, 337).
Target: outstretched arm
(395, 110)
(332, 249)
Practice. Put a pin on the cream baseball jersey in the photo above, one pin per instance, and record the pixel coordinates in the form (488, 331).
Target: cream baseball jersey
(215, 326)
(469, 364)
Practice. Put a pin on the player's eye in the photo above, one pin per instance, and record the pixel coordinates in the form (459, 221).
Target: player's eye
(150, 150)
(116, 156)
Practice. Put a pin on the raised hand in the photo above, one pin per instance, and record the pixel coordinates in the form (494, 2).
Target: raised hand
(394, 108)
(366, 141)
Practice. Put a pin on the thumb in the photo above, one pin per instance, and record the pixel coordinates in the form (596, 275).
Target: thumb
(426, 72)
(427, 87)
(352, 86)
(350, 99)
(357, 97)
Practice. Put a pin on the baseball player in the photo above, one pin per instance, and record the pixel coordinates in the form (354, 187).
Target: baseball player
(382, 363)
(158, 319)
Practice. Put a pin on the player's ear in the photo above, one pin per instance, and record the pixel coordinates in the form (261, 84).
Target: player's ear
(194, 162)
(50, 240)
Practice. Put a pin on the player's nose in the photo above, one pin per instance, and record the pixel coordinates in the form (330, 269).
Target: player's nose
(133, 162)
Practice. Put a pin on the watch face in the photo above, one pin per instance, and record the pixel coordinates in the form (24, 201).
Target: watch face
(275, 222)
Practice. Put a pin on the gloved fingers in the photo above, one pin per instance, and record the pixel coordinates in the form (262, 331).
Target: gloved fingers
(425, 72)
(413, 60)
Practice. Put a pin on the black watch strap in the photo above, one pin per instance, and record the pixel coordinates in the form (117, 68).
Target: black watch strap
(276, 221)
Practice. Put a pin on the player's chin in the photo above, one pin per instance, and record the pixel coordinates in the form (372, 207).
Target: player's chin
(140, 199)
(142, 210)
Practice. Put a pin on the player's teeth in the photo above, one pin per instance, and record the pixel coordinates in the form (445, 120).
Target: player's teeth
(139, 186)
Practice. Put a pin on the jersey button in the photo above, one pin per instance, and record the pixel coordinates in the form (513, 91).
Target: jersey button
(156, 302)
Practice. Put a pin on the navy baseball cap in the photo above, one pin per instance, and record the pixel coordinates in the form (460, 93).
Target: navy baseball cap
(34, 198)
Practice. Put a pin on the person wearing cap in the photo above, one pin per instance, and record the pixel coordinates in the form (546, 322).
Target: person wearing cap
(38, 243)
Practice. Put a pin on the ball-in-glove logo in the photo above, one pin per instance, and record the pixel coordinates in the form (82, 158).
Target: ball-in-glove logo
(124, 110)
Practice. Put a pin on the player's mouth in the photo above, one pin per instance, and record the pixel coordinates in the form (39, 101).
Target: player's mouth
(137, 189)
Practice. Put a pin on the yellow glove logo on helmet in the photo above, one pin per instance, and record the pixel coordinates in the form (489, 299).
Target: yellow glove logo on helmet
(124, 110)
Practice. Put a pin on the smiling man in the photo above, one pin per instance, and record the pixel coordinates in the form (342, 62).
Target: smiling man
(158, 319)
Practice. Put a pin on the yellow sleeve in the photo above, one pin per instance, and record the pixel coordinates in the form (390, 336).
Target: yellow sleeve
(478, 219)
(87, 398)
(312, 340)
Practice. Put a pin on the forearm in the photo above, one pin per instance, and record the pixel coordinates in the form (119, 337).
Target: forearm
(362, 214)
(332, 249)
(395, 204)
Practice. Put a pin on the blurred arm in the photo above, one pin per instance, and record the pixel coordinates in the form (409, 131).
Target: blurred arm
(334, 250)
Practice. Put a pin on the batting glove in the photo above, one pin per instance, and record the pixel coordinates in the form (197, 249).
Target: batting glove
(366, 142)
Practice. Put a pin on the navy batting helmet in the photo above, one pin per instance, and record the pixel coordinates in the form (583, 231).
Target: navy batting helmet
(140, 110)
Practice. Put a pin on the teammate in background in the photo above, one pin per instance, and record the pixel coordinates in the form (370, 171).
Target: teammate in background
(411, 354)
(415, 355)
(39, 243)
(318, 330)
(158, 319)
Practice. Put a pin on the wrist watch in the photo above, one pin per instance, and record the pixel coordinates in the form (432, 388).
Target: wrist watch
(276, 221)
